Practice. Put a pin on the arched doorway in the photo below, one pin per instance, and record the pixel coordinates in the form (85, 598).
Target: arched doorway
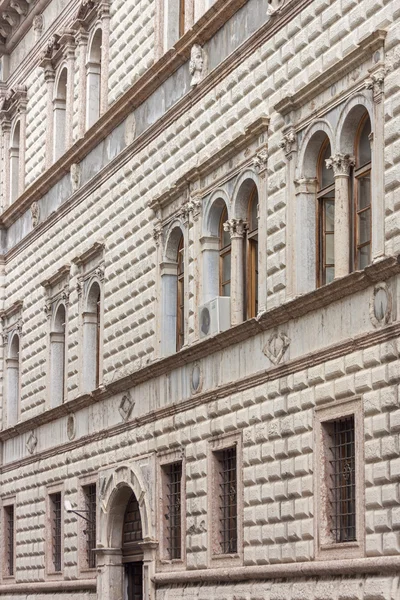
(132, 552)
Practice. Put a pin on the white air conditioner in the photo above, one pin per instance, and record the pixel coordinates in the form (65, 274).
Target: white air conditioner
(215, 316)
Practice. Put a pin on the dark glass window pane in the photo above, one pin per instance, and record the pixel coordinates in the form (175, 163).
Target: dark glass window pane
(226, 267)
(364, 191)
(329, 215)
(364, 146)
(330, 250)
(364, 224)
(364, 256)
(329, 274)
(327, 177)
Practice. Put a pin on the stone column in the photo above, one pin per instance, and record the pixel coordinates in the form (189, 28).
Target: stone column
(237, 228)
(305, 233)
(81, 38)
(110, 574)
(149, 548)
(168, 272)
(69, 55)
(260, 164)
(194, 250)
(57, 368)
(49, 77)
(90, 351)
(22, 147)
(104, 13)
(157, 236)
(341, 164)
(93, 94)
(376, 84)
(289, 146)
(210, 267)
(6, 133)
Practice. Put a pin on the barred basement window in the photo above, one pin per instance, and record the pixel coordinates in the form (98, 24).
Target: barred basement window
(55, 507)
(173, 474)
(342, 485)
(90, 528)
(9, 537)
(227, 490)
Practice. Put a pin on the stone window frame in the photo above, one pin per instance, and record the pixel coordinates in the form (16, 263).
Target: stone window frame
(13, 106)
(366, 92)
(327, 550)
(215, 445)
(12, 325)
(57, 292)
(58, 55)
(166, 35)
(91, 270)
(92, 16)
(164, 459)
(51, 574)
(7, 501)
(83, 482)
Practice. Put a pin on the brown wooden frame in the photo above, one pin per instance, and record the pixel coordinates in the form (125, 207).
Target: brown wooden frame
(181, 17)
(252, 260)
(358, 173)
(223, 250)
(180, 296)
(321, 233)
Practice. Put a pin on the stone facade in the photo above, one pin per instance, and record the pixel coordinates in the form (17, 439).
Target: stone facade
(188, 124)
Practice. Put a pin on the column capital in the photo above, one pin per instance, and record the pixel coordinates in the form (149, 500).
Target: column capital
(289, 143)
(305, 186)
(261, 159)
(376, 83)
(340, 164)
(235, 227)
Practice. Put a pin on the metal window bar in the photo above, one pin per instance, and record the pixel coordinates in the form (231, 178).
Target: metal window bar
(56, 530)
(228, 500)
(173, 516)
(90, 492)
(343, 485)
(10, 532)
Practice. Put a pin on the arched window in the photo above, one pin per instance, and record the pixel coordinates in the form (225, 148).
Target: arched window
(326, 216)
(225, 256)
(57, 357)
(362, 195)
(91, 372)
(13, 382)
(252, 255)
(14, 161)
(93, 80)
(59, 115)
(180, 321)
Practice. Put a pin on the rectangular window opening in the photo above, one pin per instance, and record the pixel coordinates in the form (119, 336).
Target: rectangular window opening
(9, 539)
(341, 474)
(227, 495)
(56, 534)
(173, 474)
(90, 525)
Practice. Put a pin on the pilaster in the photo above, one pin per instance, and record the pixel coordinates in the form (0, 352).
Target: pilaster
(237, 229)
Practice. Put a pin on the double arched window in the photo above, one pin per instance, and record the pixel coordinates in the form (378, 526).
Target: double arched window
(58, 356)
(93, 80)
(326, 215)
(252, 255)
(91, 358)
(13, 380)
(59, 114)
(362, 194)
(173, 292)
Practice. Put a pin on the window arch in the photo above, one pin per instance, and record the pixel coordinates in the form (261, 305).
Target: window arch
(252, 255)
(15, 161)
(93, 79)
(91, 348)
(225, 255)
(58, 356)
(59, 114)
(13, 380)
(362, 194)
(326, 216)
(180, 280)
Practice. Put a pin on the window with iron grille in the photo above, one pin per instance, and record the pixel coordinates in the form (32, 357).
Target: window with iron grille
(90, 526)
(173, 515)
(227, 500)
(342, 481)
(56, 530)
(9, 539)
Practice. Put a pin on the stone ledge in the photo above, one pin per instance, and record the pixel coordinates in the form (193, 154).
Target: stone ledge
(48, 587)
(357, 566)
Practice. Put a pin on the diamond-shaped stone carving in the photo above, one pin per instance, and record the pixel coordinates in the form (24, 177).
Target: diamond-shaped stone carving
(31, 442)
(276, 347)
(125, 407)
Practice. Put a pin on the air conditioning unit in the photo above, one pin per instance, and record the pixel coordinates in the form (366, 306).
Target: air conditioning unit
(215, 316)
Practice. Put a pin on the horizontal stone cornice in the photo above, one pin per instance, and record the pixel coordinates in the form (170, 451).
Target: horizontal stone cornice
(201, 32)
(296, 308)
(47, 587)
(364, 50)
(330, 568)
